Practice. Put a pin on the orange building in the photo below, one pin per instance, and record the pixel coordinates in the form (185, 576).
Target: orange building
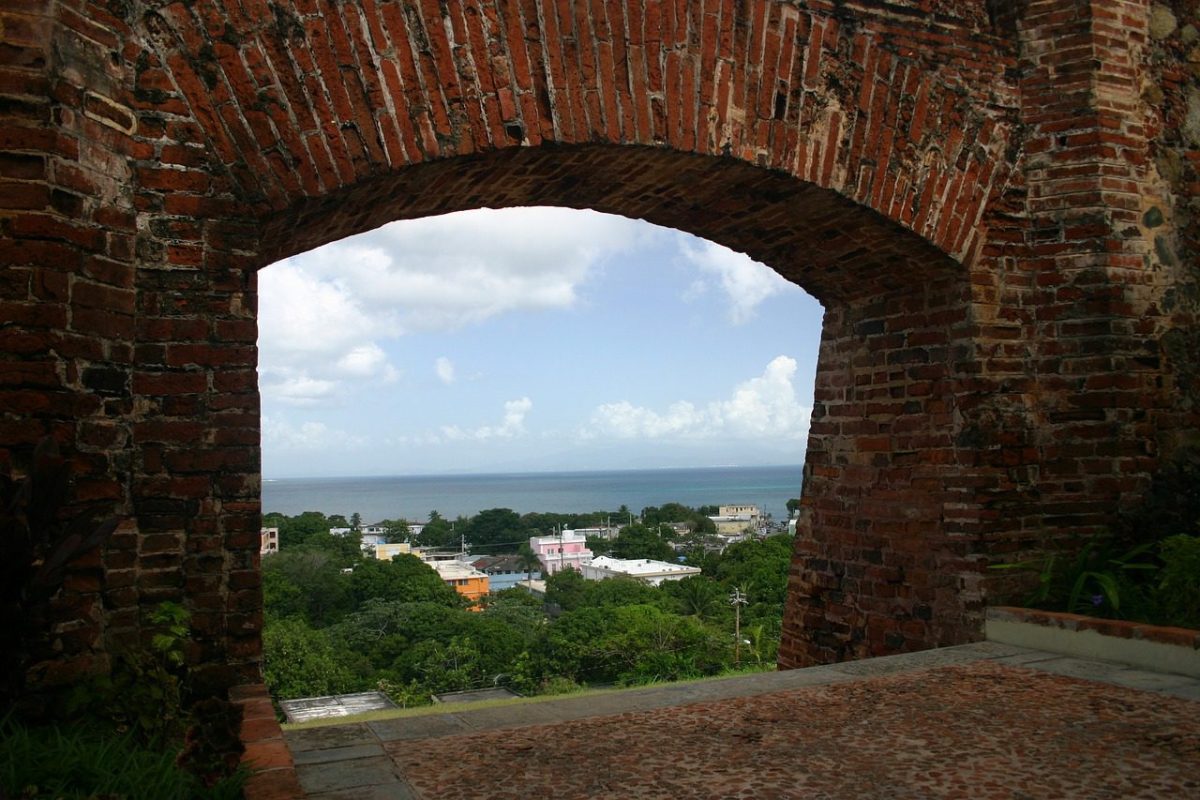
(465, 579)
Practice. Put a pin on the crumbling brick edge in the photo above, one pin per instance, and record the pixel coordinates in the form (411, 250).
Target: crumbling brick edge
(1122, 629)
(272, 770)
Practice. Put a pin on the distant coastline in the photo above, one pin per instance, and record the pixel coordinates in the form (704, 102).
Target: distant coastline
(413, 496)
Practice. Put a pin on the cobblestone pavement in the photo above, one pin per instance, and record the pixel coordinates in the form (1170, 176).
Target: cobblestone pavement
(979, 721)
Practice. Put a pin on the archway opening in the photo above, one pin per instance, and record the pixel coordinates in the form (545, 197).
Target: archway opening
(870, 573)
(477, 386)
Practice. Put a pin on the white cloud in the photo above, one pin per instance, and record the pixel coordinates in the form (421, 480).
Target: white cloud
(280, 434)
(324, 315)
(745, 281)
(298, 389)
(764, 407)
(512, 426)
(444, 368)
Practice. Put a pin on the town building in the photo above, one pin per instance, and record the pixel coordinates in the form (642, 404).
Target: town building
(735, 525)
(567, 550)
(504, 572)
(644, 569)
(734, 510)
(372, 535)
(270, 541)
(598, 532)
(463, 578)
(386, 552)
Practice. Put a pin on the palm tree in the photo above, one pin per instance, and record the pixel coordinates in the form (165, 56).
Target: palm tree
(698, 597)
(529, 560)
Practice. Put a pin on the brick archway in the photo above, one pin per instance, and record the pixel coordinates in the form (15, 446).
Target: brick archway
(969, 201)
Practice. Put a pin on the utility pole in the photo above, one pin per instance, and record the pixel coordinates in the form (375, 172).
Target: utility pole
(737, 600)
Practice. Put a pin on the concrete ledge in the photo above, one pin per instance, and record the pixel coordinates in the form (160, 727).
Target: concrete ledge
(1152, 647)
(272, 770)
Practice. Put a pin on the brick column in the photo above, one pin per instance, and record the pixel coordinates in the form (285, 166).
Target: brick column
(880, 565)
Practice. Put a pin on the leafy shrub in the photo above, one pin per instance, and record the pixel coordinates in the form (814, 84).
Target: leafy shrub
(1178, 591)
(143, 693)
(299, 661)
(1099, 581)
(81, 761)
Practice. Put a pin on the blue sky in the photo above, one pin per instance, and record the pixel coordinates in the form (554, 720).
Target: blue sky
(530, 339)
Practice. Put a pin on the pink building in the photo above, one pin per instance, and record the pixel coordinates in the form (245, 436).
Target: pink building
(568, 551)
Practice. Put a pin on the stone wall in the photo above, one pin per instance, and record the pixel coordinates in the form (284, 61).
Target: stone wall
(973, 190)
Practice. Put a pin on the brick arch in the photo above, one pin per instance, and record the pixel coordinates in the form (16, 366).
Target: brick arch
(830, 246)
(285, 104)
(971, 201)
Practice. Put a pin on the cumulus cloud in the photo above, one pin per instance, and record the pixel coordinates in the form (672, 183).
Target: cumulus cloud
(281, 434)
(512, 426)
(764, 407)
(746, 282)
(444, 368)
(324, 315)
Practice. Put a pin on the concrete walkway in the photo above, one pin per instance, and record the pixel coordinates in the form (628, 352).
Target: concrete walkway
(984, 720)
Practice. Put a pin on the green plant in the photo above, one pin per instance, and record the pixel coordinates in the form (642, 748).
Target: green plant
(1178, 591)
(86, 760)
(144, 691)
(404, 695)
(38, 541)
(1095, 582)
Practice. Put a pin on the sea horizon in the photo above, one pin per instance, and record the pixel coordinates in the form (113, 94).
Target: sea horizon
(414, 496)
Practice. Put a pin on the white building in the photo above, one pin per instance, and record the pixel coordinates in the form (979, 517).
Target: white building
(269, 541)
(372, 535)
(602, 532)
(644, 569)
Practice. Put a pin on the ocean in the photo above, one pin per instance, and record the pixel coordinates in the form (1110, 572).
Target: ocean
(413, 497)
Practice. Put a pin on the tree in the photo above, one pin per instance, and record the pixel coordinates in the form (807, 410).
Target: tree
(642, 541)
(529, 560)
(293, 531)
(438, 532)
(395, 530)
(630, 644)
(565, 589)
(403, 579)
(355, 521)
(793, 505)
(620, 591)
(308, 584)
(697, 596)
(345, 550)
(599, 545)
(301, 662)
(494, 530)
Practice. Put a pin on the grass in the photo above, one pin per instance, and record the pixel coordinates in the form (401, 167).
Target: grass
(451, 708)
(88, 761)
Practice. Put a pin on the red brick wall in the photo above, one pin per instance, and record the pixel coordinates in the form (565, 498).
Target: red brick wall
(964, 185)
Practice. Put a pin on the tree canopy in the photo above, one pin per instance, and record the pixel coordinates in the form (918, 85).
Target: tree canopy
(338, 621)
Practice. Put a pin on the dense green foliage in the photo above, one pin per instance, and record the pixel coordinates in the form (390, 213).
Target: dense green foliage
(77, 761)
(1178, 589)
(146, 728)
(338, 622)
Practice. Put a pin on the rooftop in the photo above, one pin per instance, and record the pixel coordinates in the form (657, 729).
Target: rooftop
(450, 570)
(641, 566)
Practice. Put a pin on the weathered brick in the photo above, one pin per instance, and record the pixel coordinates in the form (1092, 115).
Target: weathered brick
(994, 356)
